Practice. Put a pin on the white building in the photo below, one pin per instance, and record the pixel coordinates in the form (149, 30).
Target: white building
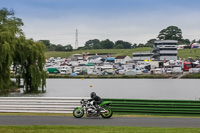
(123, 59)
(140, 56)
(165, 50)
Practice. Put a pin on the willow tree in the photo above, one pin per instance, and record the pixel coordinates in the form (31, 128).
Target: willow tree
(31, 63)
(9, 30)
(26, 55)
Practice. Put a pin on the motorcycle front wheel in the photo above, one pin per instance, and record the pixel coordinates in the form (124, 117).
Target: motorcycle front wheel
(108, 113)
(78, 112)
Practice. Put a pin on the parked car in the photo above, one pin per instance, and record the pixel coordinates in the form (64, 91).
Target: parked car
(117, 71)
(194, 70)
(108, 72)
(53, 70)
(142, 69)
(65, 71)
(131, 72)
(169, 70)
(139, 72)
(78, 72)
(198, 66)
(121, 71)
(177, 70)
(158, 71)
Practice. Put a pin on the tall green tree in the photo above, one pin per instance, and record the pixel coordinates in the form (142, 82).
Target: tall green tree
(69, 48)
(60, 47)
(10, 28)
(52, 47)
(150, 43)
(26, 55)
(184, 41)
(119, 46)
(31, 63)
(134, 45)
(92, 43)
(46, 42)
(106, 44)
(170, 33)
(140, 45)
(122, 45)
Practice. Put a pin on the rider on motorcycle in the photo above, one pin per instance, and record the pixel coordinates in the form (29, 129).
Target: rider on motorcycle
(97, 100)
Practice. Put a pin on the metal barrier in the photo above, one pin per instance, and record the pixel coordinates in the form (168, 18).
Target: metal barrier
(127, 106)
(169, 107)
(39, 104)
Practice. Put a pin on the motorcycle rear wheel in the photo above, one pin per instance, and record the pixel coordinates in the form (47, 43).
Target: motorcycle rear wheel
(108, 113)
(78, 113)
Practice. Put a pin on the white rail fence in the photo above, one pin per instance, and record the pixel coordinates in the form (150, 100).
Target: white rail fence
(40, 104)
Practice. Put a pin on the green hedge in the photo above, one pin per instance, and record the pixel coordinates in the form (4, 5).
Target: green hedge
(142, 106)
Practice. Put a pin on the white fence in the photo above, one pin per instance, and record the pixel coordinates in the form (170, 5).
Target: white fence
(40, 104)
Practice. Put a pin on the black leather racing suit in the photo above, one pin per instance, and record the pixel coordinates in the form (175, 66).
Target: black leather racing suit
(97, 100)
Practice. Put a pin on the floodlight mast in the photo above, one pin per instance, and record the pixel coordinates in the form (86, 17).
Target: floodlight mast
(76, 41)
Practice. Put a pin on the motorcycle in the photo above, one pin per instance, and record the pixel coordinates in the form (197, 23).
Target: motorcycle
(90, 109)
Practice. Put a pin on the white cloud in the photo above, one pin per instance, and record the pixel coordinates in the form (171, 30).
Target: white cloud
(131, 27)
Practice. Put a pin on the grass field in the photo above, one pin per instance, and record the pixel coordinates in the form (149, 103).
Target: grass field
(185, 53)
(182, 53)
(144, 76)
(93, 129)
(94, 51)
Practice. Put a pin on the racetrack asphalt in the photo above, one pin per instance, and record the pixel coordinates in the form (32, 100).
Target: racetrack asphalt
(98, 121)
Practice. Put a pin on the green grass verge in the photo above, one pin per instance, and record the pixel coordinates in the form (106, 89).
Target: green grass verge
(144, 76)
(182, 53)
(192, 76)
(114, 115)
(93, 129)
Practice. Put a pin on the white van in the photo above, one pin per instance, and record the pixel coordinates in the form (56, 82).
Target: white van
(131, 72)
(194, 70)
(177, 70)
(169, 70)
(65, 71)
(158, 71)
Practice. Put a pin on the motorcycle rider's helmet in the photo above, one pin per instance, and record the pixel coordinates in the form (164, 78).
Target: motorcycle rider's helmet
(93, 94)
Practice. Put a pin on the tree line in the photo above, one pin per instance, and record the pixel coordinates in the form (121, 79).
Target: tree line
(25, 55)
(170, 33)
(58, 47)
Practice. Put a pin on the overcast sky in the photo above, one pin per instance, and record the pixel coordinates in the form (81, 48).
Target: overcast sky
(135, 21)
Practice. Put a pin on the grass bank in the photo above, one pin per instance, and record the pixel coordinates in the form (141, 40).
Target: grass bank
(192, 76)
(144, 76)
(185, 53)
(92, 129)
(114, 115)
(182, 53)
(115, 52)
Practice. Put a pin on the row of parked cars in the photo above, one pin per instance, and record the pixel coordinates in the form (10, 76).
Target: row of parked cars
(195, 70)
(167, 70)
